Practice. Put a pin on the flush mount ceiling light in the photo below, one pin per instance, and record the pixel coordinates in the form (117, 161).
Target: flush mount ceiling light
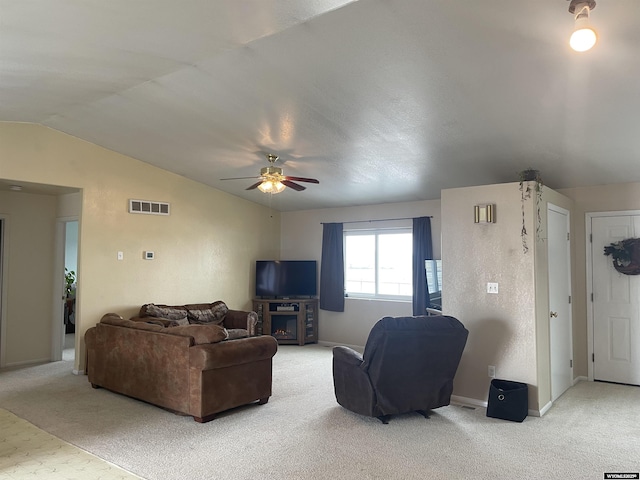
(584, 36)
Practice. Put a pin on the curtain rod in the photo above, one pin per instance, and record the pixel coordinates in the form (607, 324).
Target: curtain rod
(379, 220)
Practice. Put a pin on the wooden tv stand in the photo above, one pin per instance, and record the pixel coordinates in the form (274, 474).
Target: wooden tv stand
(290, 321)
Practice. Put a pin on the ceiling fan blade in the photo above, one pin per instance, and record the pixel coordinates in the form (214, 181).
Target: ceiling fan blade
(295, 186)
(255, 185)
(301, 179)
(241, 178)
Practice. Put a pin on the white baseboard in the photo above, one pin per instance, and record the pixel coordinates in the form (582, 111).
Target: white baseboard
(28, 362)
(457, 399)
(78, 372)
(542, 411)
(580, 379)
(468, 401)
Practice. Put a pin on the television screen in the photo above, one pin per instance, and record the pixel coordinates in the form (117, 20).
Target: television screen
(286, 278)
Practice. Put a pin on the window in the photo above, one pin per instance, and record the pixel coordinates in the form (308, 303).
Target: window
(378, 263)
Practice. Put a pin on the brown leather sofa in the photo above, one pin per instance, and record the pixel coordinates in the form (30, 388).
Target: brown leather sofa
(408, 365)
(192, 369)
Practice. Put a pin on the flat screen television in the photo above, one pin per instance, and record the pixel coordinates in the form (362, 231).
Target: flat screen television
(286, 278)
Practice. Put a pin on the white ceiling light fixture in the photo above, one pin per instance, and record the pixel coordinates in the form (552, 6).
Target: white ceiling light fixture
(584, 36)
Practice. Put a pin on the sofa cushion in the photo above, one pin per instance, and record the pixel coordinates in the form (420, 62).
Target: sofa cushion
(178, 322)
(170, 313)
(201, 334)
(153, 320)
(214, 314)
(234, 333)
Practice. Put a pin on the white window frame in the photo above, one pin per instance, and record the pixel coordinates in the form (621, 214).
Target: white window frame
(376, 232)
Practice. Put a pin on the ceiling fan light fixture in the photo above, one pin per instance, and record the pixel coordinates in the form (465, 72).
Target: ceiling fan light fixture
(271, 186)
(584, 36)
(273, 180)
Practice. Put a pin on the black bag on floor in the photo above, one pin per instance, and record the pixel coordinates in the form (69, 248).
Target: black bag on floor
(508, 400)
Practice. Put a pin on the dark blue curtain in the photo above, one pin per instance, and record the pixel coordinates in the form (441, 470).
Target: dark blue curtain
(332, 268)
(422, 250)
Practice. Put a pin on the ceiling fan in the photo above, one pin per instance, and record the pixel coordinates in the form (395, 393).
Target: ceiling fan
(272, 180)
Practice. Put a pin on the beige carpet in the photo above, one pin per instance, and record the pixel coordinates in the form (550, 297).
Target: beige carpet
(29, 452)
(303, 433)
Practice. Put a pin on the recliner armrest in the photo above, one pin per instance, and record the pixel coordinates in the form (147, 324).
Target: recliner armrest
(347, 355)
(351, 382)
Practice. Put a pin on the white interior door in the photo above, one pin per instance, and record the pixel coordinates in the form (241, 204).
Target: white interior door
(560, 321)
(616, 302)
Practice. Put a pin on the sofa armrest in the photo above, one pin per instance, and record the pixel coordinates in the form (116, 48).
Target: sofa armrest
(237, 352)
(89, 342)
(241, 319)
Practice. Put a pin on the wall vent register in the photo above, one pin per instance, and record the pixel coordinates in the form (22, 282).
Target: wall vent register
(148, 207)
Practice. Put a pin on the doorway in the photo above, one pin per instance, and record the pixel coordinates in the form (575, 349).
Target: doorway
(615, 302)
(560, 319)
(71, 287)
(65, 288)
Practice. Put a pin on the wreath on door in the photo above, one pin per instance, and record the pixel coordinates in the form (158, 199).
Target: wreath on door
(626, 255)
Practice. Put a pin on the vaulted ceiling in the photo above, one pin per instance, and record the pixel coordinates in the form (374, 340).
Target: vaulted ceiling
(380, 100)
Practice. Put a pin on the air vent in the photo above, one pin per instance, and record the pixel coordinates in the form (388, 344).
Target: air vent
(148, 208)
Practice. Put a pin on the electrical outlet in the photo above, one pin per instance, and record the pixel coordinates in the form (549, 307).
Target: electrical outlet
(492, 287)
(492, 371)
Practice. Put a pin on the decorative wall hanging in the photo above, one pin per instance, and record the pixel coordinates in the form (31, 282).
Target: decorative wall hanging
(526, 177)
(626, 255)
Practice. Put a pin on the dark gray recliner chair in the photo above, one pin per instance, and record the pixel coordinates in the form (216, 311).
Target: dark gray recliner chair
(408, 365)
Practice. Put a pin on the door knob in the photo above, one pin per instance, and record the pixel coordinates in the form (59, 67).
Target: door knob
(553, 314)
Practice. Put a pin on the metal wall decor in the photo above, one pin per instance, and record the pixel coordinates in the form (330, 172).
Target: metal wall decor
(484, 213)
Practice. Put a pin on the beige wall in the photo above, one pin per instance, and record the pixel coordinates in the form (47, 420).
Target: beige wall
(69, 205)
(509, 330)
(29, 238)
(601, 198)
(205, 250)
(502, 330)
(302, 240)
